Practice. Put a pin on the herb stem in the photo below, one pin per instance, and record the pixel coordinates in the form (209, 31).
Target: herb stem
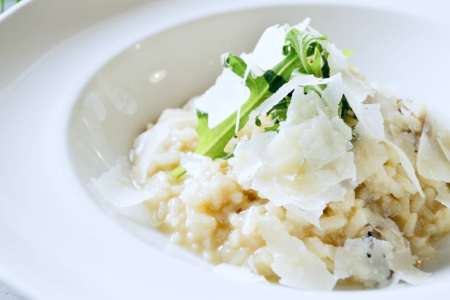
(213, 142)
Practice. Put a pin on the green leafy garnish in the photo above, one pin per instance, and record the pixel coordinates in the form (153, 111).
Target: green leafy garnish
(303, 52)
(346, 113)
(276, 81)
(212, 141)
(312, 56)
(278, 113)
(178, 172)
(236, 64)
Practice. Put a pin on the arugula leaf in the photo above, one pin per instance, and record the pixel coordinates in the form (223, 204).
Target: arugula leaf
(278, 113)
(343, 107)
(276, 81)
(202, 122)
(303, 52)
(236, 64)
(178, 172)
(212, 141)
(346, 113)
(312, 56)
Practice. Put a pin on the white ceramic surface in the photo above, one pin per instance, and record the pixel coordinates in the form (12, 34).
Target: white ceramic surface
(67, 112)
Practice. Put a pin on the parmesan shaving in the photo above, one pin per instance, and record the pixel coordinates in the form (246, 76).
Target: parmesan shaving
(292, 261)
(407, 166)
(295, 81)
(223, 98)
(370, 156)
(370, 119)
(116, 188)
(308, 141)
(150, 151)
(268, 50)
(432, 161)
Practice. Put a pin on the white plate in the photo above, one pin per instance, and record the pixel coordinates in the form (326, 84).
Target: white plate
(56, 242)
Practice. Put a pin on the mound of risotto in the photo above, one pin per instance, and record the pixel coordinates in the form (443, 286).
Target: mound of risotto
(296, 168)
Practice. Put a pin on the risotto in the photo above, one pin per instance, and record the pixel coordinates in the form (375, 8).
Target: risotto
(296, 168)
